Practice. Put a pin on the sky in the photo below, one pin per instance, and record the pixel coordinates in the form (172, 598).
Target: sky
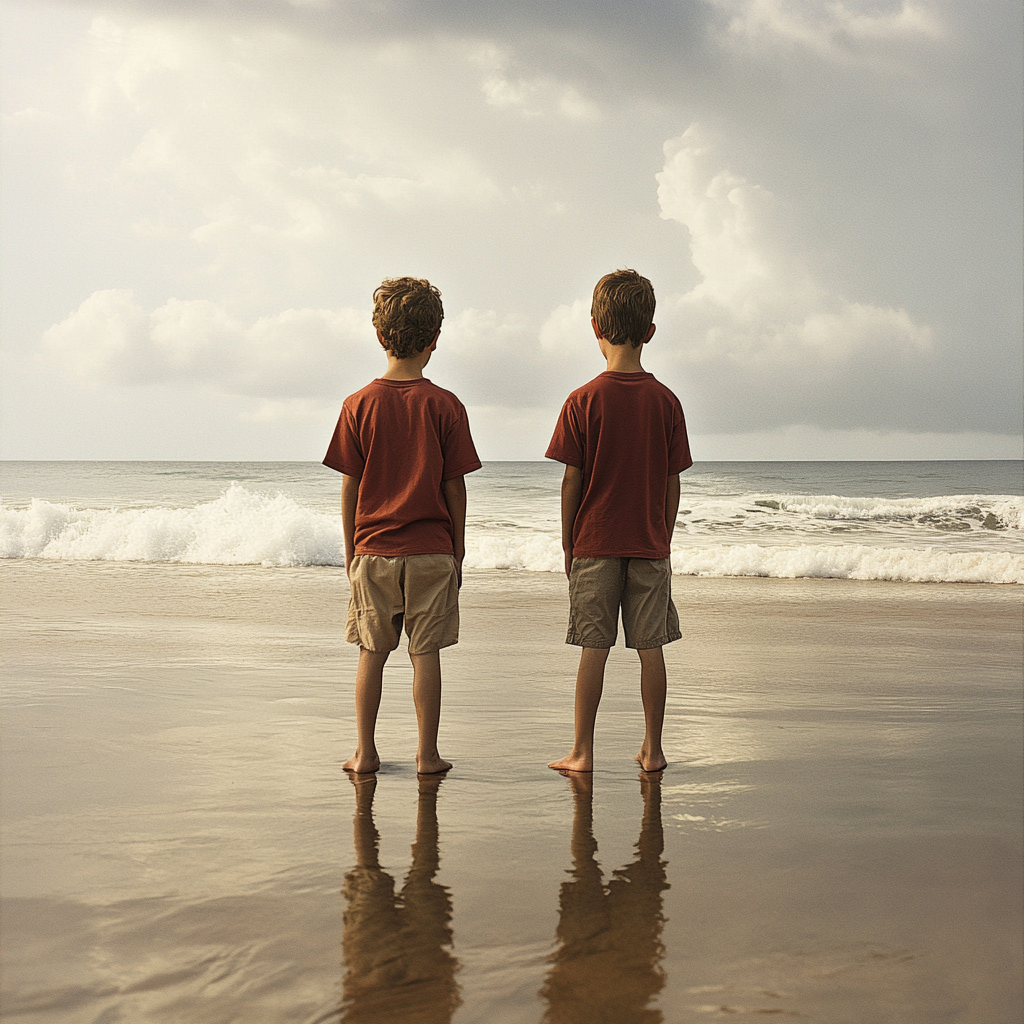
(200, 196)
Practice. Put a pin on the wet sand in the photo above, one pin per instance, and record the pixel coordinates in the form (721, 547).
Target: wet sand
(837, 838)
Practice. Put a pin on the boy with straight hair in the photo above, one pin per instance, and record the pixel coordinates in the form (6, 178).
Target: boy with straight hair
(403, 446)
(622, 438)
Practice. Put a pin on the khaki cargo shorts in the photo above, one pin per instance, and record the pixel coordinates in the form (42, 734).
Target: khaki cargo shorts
(421, 590)
(640, 587)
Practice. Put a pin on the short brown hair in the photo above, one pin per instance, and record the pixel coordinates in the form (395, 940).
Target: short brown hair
(408, 313)
(623, 307)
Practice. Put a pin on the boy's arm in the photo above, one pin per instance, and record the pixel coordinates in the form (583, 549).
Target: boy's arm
(672, 503)
(349, 497)
(454, 493)
(572, 494)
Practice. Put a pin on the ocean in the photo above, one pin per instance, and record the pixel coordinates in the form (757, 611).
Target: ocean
(837, 835)
(956, 522)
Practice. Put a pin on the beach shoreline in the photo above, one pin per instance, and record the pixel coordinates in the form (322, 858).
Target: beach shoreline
(840, 819)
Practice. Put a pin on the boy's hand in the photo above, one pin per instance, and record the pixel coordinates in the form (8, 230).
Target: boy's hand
(572, 494)
(454, 493)
(349, 498)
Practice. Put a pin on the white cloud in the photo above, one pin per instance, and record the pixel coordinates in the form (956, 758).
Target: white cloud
(756, 305)
(567, 330)
(453, 177)
(494, 362)
(261, 133)
(533, 95)
(472, 330)
(839, 31)
(842, 251)
(29, 116)
(289, 360)
(101, 338)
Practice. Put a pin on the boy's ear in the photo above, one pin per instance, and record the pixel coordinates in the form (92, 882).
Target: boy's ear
(650, 334)
(433, 344)
(383, 341)
(597, 329)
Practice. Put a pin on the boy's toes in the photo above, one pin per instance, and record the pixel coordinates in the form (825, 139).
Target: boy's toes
(573, 763)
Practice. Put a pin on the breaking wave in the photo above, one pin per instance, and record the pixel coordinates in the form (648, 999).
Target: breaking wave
(851, 561)
(541, 553)
(914, 540)
(239, 528)
(951, 513)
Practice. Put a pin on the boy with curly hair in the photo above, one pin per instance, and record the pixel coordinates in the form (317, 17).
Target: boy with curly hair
(403, 447)
(622, 438)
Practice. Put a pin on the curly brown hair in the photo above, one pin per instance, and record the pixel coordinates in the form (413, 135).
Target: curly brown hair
(623, 307)
(408, 313)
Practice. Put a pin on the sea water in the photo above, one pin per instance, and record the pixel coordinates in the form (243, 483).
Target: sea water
(959, 522)
(837, 838)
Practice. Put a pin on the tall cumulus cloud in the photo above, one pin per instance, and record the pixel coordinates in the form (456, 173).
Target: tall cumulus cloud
(777, 167)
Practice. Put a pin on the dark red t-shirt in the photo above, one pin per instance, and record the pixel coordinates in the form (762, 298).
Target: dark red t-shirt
(402, 438)
(627, 434)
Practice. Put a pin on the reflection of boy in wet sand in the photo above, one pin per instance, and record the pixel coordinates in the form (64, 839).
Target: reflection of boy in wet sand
(398, 967)
(622, 439)
(403, 447)
(607, 968)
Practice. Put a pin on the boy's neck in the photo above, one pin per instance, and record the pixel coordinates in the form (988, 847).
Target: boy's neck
(410, 368)
(404, 369)
(622, 358)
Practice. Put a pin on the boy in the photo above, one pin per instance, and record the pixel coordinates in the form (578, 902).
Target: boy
(403, 446)
(622, 438)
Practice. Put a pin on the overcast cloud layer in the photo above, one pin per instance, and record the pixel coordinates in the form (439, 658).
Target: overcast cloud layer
(200, 197)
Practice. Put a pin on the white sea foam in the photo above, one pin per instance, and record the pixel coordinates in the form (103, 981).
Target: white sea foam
(539, 553)
(968, 510)
(850, 561)
(527, 550)
(947, 517)
(243, 527)
(238, 528)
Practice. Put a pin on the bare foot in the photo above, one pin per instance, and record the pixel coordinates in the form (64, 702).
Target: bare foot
(574, 763)
(651, 762)
(360, 765)
(432, 765)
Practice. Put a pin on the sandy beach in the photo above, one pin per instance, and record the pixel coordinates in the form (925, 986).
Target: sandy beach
(837, 838)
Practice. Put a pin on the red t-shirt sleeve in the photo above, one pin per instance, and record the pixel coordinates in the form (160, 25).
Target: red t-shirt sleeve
(567, 441)
(460, 455)
(345, 453)
(679, 446)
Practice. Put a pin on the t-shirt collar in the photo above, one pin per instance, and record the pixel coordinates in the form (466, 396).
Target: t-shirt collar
(388, 382)
(626, 375)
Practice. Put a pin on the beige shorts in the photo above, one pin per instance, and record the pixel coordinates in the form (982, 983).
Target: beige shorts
(421, 590)
(640, 587)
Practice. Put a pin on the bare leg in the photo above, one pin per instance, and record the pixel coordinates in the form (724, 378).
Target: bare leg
(426, 695)
(589, 686)
(369, 680)
(653, 686)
